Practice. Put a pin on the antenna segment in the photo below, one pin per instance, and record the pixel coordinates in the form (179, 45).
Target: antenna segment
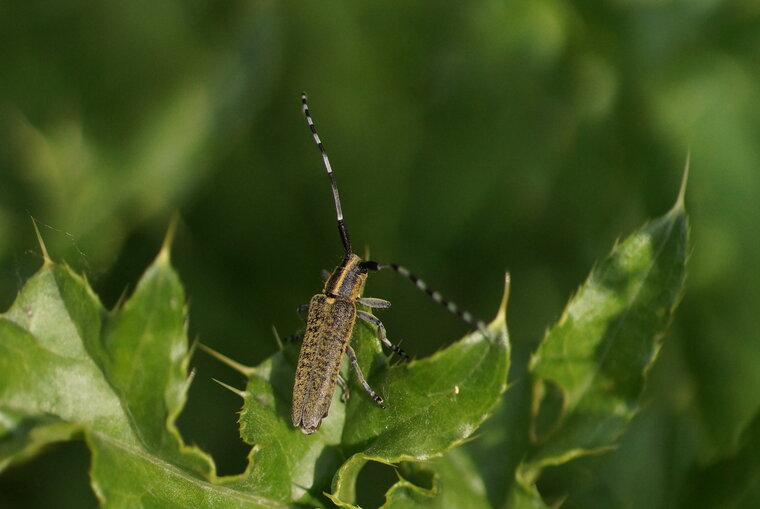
(338, 211)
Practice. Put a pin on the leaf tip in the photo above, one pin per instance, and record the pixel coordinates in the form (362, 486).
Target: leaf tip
(240, 368)
(501, 315)
(189, 379)
(230, 388)
(46, 261)
(679, 205)
(165, 252)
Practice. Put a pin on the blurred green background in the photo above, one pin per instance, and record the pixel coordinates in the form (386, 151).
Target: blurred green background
(467, 139)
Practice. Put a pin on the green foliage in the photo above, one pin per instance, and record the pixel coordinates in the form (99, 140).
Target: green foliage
(589, 371)
(489, 135)
(433, 404)
(70, 368)
(118, 379)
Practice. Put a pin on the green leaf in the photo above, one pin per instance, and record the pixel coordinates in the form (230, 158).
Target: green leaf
(286, 464)
(127, 477)
(590, 369)
(433, 404)
(22, 437)
(69, 368)
(46, 369)
(447, 482)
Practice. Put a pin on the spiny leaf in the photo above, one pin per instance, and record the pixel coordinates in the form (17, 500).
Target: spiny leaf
(46, 365)
(285, 463)
(590, 369)
(127, 476)
(68, 368)
(432, 405)
(136, 362)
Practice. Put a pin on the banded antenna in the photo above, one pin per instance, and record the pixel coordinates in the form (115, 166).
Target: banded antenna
(450, 306)
(464, 315)
(338, 211)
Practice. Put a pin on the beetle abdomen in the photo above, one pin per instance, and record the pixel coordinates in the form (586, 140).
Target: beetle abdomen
(328, 329)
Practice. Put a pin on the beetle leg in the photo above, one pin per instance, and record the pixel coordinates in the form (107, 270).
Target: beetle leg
(370, 318)
(344, 387)
(352, 357)
(372, 302)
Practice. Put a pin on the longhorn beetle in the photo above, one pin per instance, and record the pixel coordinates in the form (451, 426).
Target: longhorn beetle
(331, 317)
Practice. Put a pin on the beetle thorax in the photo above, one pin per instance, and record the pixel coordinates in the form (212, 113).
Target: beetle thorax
(347, 279)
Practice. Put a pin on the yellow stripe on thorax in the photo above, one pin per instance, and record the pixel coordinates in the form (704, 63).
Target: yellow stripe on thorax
(347, 279)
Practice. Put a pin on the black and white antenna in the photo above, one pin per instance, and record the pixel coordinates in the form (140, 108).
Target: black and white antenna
(450, 306)
(338, 211)
(466, 316)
